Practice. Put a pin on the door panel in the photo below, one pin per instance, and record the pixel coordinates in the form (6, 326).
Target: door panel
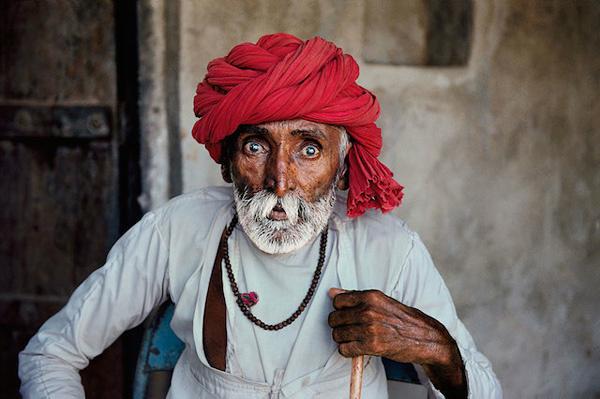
(57, 220)
(58, 51)
(67, 129)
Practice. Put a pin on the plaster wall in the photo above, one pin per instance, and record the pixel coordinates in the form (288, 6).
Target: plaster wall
(499, 159)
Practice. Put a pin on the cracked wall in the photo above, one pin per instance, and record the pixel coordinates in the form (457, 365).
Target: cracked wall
(499, 157)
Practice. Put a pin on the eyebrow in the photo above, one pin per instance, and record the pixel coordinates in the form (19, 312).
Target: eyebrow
(313, 133)
(253, 129)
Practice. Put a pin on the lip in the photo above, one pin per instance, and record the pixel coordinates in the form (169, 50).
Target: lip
(278, 213)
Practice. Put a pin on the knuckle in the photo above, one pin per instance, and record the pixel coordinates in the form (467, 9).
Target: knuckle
(368, 315)
(369, 296)
(371, 329)
(373, 295)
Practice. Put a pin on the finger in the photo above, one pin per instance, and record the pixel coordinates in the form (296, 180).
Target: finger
(347, 299)
(348, 333)
(339, 318)
(351, 349)
(354, 298)
(355, 315)
(334, 291)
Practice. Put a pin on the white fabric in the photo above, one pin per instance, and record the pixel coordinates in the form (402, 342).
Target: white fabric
(170, 253)
(281, 282)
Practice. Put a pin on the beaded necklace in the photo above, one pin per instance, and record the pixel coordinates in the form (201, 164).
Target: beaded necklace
(245, 308)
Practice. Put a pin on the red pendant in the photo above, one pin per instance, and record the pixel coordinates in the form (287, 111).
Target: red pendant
(249, 298)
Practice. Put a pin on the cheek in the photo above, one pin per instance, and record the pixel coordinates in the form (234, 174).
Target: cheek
(316, 178)
(247, 173)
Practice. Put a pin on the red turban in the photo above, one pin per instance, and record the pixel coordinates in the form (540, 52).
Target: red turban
(281, 78)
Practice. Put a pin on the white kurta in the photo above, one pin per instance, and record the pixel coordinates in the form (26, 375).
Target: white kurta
(170, 253)
(281, 282)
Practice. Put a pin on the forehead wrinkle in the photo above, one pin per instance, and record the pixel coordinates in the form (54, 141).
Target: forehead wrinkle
(293, 124)
(317, 133)
(253, 129)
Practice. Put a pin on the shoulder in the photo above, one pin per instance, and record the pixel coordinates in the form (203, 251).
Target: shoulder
(187, 223)
(196, 203)
(379, 243)
(373, 227)
(191, 215)
(197, 199)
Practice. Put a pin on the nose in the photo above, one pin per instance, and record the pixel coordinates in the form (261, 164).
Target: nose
(280, 174)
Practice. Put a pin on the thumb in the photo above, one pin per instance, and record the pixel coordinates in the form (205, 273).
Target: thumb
(333, 292)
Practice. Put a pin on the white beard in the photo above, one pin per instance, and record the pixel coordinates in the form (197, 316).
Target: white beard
(305, 220)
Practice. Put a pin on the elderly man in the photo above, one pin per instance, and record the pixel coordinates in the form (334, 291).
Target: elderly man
(278, 281)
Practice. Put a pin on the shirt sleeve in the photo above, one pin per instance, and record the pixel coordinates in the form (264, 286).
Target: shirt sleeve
(114, 298)
(421, 286)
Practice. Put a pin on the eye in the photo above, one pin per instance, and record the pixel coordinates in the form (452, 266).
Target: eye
(310, 151)
(252, 147)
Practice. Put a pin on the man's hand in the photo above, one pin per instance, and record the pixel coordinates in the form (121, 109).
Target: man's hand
(371, 323)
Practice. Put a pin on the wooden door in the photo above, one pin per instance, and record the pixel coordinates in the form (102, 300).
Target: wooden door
(68, 162)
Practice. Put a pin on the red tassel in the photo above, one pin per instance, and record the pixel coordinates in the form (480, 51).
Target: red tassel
(371, 184)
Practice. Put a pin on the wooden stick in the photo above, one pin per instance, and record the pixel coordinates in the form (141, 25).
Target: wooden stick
(356, 377)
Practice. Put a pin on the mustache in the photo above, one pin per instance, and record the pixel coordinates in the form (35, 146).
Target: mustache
(305, 219)
(261, 203)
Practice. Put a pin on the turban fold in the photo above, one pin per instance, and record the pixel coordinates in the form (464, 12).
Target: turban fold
(282, 78)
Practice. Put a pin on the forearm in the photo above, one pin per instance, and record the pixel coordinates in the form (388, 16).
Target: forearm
(44, 377)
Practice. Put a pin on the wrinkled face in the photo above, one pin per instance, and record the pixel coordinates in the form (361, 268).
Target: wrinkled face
(284, 176)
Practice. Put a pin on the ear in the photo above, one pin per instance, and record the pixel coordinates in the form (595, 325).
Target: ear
(226, 172)
(344, 180)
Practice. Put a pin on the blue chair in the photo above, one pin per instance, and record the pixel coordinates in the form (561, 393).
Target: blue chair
(161, 348)
(158, 354)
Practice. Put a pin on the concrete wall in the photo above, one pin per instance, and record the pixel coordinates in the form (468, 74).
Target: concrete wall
(499, 157)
